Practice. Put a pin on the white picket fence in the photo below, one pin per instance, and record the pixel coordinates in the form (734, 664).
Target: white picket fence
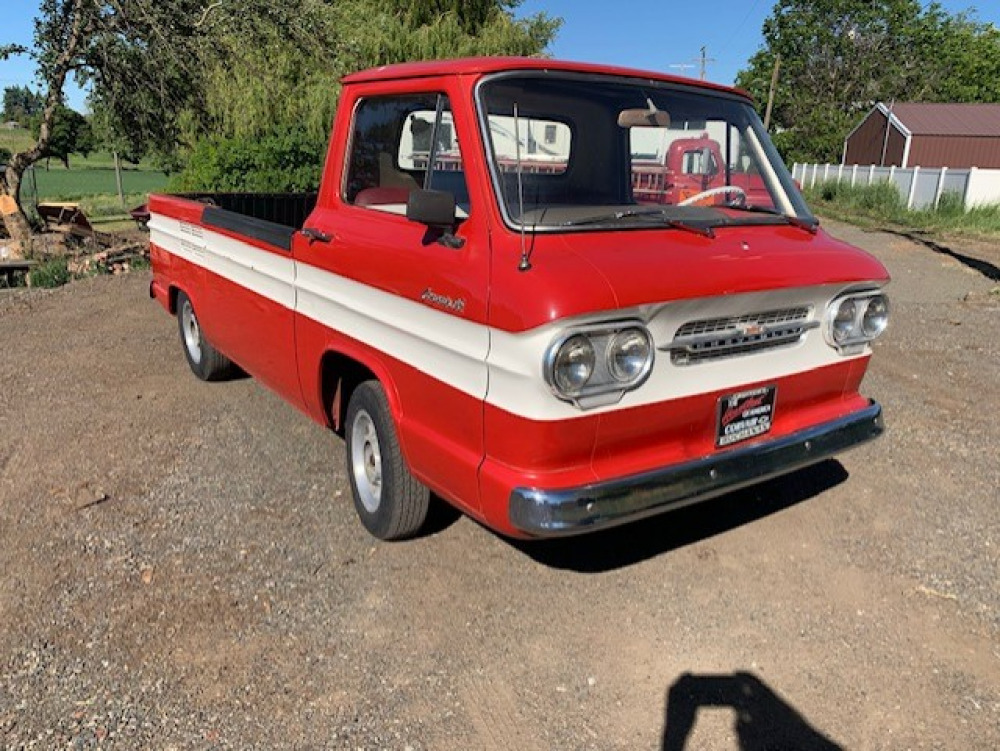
(919, 187)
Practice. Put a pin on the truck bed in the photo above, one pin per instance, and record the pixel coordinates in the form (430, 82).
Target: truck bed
(267, 217)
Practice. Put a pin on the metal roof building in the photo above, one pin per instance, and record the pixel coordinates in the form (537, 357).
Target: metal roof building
(927, 135)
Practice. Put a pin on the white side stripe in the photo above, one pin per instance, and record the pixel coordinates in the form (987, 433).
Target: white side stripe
(503, 368)
(444, 346)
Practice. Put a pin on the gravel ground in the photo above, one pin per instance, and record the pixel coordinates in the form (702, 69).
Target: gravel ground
(182, 568)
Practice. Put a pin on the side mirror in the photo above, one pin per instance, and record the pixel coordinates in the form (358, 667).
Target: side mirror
(435, 208)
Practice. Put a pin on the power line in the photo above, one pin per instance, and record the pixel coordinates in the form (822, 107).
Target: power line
(739, 27)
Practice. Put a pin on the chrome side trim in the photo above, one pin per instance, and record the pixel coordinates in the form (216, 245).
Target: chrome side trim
(553, 513)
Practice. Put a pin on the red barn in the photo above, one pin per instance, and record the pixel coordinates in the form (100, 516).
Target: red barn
(927, 135)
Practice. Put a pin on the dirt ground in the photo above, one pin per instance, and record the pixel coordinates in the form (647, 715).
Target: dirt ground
(182, 567)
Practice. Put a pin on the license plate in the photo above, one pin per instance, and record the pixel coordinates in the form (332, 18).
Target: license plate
(745, 415)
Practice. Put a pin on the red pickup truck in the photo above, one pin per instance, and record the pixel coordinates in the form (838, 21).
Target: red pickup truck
(690, 166)
(480, 302)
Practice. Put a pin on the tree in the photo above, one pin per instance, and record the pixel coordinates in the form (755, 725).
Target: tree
(274, 79)
(840, 57)
(20, 104)
(71, 134)
(136, 54)
(174, 72)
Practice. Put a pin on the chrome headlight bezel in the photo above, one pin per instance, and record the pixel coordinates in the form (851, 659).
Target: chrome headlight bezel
(848, 334)
(604, 386)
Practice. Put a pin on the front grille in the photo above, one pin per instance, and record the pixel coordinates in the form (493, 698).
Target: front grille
(714, 338)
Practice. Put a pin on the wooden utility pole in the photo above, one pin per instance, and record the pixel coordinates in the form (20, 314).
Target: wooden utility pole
(705, 60)
(118, 179)
(770, 93)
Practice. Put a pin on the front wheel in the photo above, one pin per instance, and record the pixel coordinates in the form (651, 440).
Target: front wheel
(205, 360)
(392, 504)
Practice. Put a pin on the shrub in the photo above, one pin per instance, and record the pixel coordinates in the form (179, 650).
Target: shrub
(52, 273)
(281, 162)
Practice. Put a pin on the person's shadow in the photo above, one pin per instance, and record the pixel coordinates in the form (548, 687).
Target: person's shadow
(763, 720)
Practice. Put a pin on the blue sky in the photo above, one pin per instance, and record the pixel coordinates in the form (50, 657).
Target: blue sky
(662, 35)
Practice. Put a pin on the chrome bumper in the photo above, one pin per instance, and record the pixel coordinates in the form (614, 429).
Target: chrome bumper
(551, 513)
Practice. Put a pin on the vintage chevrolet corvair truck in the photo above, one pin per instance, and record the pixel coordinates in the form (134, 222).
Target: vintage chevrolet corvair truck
(485, 308)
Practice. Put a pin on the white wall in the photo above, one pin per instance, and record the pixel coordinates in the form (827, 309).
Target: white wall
(983, 187)
(918, 187)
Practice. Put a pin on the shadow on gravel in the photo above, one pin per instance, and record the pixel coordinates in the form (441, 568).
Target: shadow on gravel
(762, 719)
(440, 516)
(632, 543)
(987, 269)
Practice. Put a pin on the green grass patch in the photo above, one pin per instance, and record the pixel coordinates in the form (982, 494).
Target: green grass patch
(108, 208)
(880, 204)
(15, 140)
(73, 185)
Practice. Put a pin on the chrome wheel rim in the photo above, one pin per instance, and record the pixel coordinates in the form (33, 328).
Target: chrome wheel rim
(366, 461)
(192, 332)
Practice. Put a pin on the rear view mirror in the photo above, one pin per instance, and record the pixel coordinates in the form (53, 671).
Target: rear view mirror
(643, 118)
(435, 208)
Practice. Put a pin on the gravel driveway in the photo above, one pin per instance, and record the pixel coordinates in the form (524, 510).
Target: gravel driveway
(182, 567)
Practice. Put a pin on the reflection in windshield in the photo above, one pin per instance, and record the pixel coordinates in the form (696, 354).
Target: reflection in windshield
(591, 146)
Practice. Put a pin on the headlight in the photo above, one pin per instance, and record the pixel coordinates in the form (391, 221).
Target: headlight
(876, 316)
(844, 321)
(574, 364)
(628, 354)
(595, 365)
(855, 319)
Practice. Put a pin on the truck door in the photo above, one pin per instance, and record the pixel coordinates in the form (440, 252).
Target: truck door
(410, 301)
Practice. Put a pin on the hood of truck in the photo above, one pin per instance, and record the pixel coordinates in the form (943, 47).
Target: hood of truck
(590, 272)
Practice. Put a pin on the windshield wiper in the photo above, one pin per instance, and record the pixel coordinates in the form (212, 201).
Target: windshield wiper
(630, 213)
(810, 226)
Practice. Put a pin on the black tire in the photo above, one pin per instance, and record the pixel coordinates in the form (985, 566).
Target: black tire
(391, 503)
(205, 360)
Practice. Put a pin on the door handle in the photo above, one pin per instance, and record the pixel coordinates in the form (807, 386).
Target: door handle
(316, 235)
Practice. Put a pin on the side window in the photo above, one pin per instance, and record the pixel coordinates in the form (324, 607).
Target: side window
(394, 140)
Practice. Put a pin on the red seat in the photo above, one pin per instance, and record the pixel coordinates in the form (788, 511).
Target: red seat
(381, 196)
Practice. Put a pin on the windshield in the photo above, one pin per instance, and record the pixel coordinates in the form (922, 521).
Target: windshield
(573, 151)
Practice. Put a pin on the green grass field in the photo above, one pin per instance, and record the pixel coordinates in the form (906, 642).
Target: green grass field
(93, 175)
(15, 140)
(79, 183)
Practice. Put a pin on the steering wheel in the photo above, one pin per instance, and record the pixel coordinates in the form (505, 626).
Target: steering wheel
(715, 192)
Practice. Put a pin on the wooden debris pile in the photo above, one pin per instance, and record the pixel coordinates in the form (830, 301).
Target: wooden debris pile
(87, 249)
(118, 259)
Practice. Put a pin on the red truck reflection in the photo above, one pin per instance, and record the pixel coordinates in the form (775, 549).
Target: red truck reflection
(691, 166)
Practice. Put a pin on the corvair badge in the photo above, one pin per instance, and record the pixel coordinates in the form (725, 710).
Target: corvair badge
(431, 297)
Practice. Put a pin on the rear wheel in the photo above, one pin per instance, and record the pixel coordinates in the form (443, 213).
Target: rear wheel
(205, 360)
(392, 504)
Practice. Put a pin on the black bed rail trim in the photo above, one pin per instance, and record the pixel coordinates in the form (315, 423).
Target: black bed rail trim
(277, 235)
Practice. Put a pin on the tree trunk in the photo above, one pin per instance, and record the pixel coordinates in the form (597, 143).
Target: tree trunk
(14, 220)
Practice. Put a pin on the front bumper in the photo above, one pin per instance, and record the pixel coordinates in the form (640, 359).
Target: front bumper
(551, 513)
